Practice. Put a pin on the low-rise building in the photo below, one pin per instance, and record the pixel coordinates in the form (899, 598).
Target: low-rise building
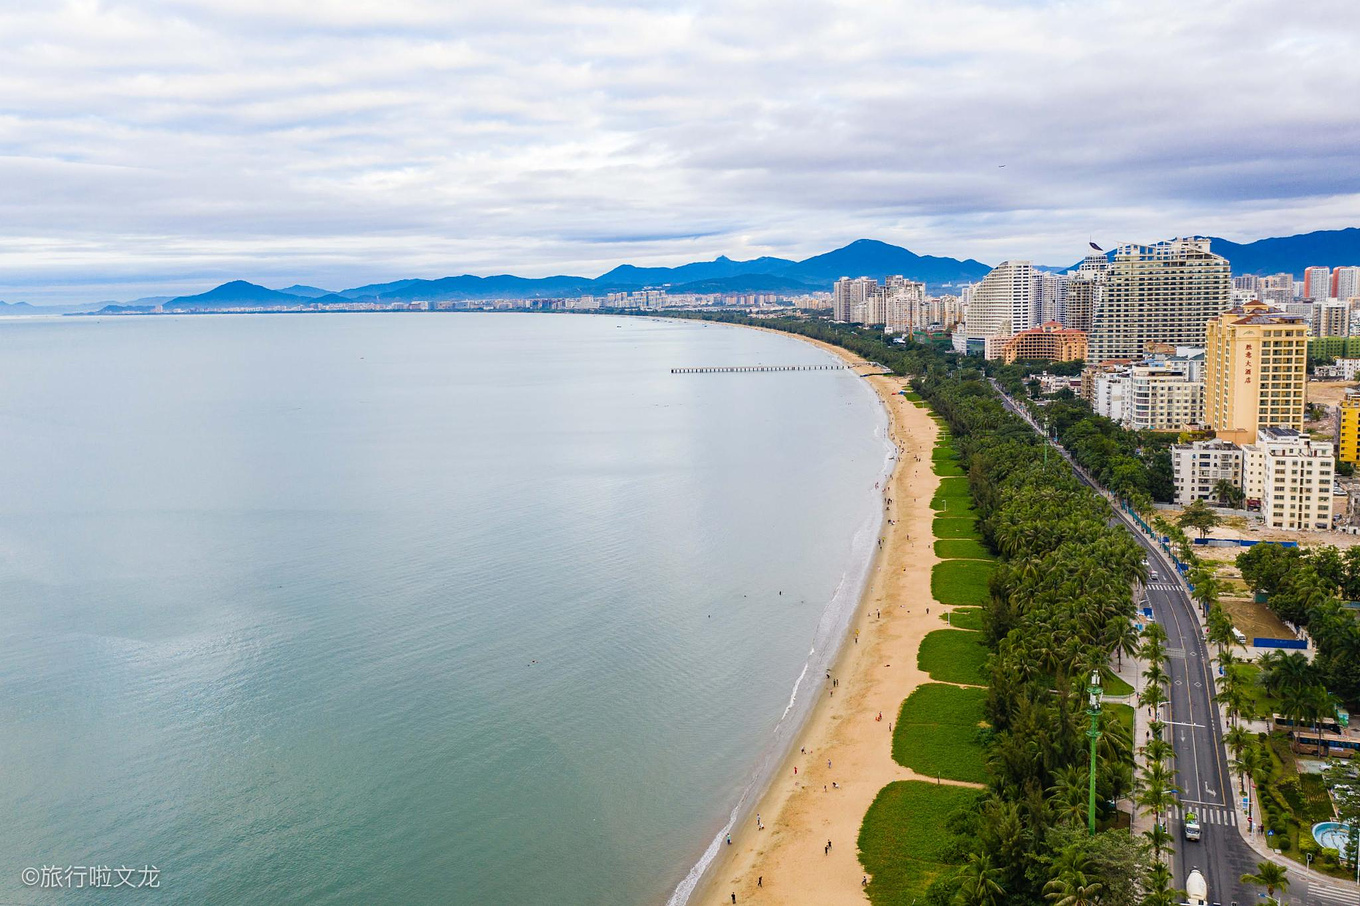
(1290, 476)
(1049, 341)
(1199, 466)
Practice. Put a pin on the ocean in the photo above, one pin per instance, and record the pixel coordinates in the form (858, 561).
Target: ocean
(411, 608)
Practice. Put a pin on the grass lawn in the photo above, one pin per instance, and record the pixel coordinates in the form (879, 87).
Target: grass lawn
(944, 451)
(952, 494)
(1262, 703)
(1121, 713)
(1113, 685)
(962, 549)
(961, 582)
(948, 468)
(963, 618)
(955, 527)
(936, 733)
(903, 837)
(953, 656)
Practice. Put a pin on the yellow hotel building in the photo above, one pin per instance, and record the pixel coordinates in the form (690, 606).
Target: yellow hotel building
(1348, 443)
(1255, 367)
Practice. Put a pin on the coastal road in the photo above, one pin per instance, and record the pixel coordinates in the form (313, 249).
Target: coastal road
(1196, 732)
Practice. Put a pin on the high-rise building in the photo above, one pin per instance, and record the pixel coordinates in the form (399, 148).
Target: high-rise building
(1346, 283)
(1050, 296)
(1348, 439)
(1332, 318)
(1001, 305)
(904, 307)
(1085, 289)
(1255, 370)
(1277, 289)
(1290, 477)
(1164, 293)
(1317, 283)
(849, 297)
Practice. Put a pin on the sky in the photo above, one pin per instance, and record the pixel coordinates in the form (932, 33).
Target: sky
(164, 146)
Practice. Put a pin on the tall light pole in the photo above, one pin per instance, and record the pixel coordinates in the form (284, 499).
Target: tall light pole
(1093, 734)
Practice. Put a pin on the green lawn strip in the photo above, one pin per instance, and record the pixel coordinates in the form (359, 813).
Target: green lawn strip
(960, 582)
(1113, 685)
(1122, 713)
(955, 527)
(948, 468)
(903, 838)
(962, 549)
(952, 494)
(936, 733)
(963, 617)
(953, 656)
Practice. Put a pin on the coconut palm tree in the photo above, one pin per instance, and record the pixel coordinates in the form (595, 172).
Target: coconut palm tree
(1228, 494)
(1157, 886)
(1270, 876)
(980, 883)
(1237, 739)
(1073, 889)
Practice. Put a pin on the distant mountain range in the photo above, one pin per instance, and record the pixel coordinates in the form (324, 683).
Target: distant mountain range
(1284, 254)
(864, 257)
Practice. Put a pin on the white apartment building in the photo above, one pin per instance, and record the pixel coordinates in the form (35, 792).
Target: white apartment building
(1345, 369)
(1163, 399)
(1199, 466)
(1108, 396)
(1331, 318)
(849, 298)
(1001, 305)
(1291, 476)
(1050, 293)
(904, 305)
(1317, 283)
(1347, 281)
(1159, 294)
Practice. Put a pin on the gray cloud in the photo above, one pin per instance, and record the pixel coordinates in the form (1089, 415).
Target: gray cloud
(168, 144)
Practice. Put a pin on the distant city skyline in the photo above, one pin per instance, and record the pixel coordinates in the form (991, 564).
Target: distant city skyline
(163, 146)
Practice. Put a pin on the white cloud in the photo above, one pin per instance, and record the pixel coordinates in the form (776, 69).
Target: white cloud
(168, 144)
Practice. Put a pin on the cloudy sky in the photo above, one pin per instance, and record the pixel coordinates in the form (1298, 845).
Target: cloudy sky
(167, 145)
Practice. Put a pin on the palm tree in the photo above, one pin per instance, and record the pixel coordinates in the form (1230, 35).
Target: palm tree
(1237, 739)
(980, 883)
(1228, 493)
(1160, 841)
(1158, 887)
(1270, 876)
(1073, 889)
(1124, 640)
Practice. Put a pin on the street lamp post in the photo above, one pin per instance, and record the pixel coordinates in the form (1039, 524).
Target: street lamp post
(1093, 734)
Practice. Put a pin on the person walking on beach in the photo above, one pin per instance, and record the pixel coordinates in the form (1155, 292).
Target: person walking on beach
(734, 896)
(729, 839)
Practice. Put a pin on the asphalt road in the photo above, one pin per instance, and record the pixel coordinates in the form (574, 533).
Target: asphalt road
(1196, 731)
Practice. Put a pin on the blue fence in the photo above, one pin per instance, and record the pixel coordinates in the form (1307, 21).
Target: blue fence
(1299, 644)
(1240, 542)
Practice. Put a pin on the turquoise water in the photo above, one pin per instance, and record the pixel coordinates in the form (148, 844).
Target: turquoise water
(407, 609)
(1333, 835)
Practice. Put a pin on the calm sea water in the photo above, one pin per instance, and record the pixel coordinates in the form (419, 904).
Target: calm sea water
(407, 609)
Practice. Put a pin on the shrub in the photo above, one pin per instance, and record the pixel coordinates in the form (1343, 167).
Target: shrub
(1330, 856)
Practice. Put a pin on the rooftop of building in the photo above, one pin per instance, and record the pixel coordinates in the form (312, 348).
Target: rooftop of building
(1257, 312)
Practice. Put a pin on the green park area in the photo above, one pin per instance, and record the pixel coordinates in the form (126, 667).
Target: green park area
(954, 656)
(939, 733)
(902, 841)
(952, 496)
(963, 617)
(962, 549)
(961, 582)
(955, 527)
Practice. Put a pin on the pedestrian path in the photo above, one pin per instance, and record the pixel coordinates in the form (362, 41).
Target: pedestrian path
(1318, 895)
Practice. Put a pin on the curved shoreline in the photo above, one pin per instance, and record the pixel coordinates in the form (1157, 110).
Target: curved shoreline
(828, 646)
(876, 669)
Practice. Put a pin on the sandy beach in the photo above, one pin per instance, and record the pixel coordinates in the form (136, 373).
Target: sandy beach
(843, 756)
